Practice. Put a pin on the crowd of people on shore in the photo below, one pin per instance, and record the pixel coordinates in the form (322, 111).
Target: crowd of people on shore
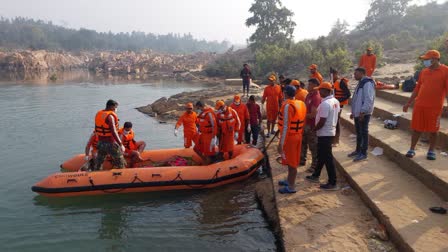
(307, 117)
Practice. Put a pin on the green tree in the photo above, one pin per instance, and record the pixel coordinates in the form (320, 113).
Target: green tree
(271, 58)
(384, 12)
(273, 22)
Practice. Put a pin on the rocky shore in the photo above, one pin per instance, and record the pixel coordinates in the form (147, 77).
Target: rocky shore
(136, 65)
(169, 109)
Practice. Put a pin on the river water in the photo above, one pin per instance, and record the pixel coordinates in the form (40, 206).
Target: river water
(44, 124)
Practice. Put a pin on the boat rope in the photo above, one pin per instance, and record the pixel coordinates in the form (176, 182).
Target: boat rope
(195, 187)
(136, 178)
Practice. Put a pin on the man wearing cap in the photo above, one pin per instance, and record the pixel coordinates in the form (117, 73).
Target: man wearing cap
(362, 108)
(368, 62)
(309, 140)
(272, 95)
(326, 120)
(246, 76)
(206, 139)
(301, 93)
(228, 124)
(188, 120)
(290, 123)
(432, 87)
(243, 115)
(314, 74)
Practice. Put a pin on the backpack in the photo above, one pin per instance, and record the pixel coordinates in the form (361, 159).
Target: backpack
(409, 85)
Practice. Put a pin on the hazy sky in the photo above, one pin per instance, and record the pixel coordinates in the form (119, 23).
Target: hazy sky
(208, 19)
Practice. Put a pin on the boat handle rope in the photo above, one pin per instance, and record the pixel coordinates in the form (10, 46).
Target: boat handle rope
(195, 187)
(136, 178)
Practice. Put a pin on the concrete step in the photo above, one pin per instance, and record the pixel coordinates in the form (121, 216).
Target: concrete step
(395, 143)
(397, 96)
(387, 109)
(397, 199)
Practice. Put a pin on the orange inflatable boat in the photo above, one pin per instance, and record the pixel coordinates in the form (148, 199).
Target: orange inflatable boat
(145, 179)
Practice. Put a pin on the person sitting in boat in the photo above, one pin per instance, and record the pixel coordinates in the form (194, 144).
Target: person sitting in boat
(188, 120)
(206, 139)
(228, 124)
(109, 143)
(91, 151)
(133, 148)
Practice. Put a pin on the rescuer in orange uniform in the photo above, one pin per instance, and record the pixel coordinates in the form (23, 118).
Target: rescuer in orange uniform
(342, 94)
(368, 62)
(314, 74)
(188, 120)
(243, 114)
(109, 143)
(290, 123)
(429, 94)
(228, 124)
(133, 148)
(272, 95)
(301, 93)
(206, 139)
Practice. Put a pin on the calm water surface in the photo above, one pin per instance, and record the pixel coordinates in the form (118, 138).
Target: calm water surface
(43, 125)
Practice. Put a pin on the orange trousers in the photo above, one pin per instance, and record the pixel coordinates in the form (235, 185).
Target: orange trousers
(204, 144)
(226, 142)
(291, 150)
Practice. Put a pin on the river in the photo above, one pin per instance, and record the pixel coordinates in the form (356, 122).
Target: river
(44, 124)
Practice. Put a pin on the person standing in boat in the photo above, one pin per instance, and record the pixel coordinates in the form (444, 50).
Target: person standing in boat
(133, 148)
(188, 120)
(109, 142)
(228, 124)
(206, 139)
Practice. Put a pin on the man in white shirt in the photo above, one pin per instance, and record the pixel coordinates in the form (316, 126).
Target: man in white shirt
(326, 120)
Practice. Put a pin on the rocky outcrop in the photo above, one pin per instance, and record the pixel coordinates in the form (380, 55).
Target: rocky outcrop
(151, 63)
(171, 108)
(40, 61)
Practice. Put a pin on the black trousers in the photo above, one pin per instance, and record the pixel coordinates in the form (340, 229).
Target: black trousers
(325, 157)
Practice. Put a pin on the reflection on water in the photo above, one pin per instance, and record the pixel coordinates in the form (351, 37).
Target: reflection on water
(46, 124)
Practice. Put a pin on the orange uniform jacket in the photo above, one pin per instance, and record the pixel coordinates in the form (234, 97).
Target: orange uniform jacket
(228, 122)
(243, 114)
(206, 121)
(128, 140)
(273, 97)
(369, 63)
(301, 94)
(291, 122)
(317, 76)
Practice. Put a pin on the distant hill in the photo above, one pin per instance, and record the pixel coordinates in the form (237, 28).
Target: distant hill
(23, 33)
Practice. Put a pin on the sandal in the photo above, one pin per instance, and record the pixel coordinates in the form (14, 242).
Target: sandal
(410, 154)
(283, 183)
(431, 155)
(286, 190)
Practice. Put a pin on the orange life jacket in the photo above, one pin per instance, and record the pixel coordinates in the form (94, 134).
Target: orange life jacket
(227, 121)
(203, 120)
(128, 140)
(94, 143)
(297, 120)
(101, 127)
(338, 92)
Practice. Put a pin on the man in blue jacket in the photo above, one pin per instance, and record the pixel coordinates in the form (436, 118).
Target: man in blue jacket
(362, 108)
